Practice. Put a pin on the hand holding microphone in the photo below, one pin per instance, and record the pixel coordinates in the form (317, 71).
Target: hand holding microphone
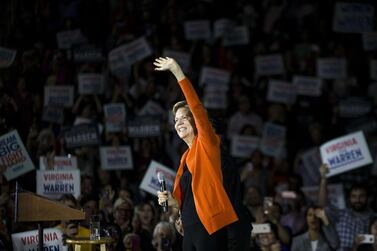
(164, 201)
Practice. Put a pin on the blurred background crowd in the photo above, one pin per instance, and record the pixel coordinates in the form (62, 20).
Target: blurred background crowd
(300, 31)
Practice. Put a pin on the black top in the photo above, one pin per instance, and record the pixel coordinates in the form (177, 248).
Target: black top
(188, 213)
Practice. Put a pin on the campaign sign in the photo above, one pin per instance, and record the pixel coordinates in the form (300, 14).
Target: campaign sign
(345, 153)
(58, 163)
(354, 107)
(150, 181)
(332, 68)
(151, 108)
(242, 146)
(28, 241)
(116, 158)
(136, 50)
(269, 65)
(353, 17)
(214, 77)
(273, 139)
(308, 86)
(115, 117)
(13, 155)
(237, 35)
(68, 38)
(53, 114)
(281, 92)
(182, 58)
(58, 95)
(87, 54)
(54, 183)
(7, 57)
(369, 41)
(82, 135)
(215, 98)
(144, 126)
(335, 194)
(221, 27)
(373, 69)
(118, 64)
(91, 83)
(197, 30)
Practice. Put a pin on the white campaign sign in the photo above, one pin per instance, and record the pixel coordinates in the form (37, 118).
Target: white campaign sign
(7, 57)
(242, 146)
(197, 30)
(117, 62)
(28, 241)
(54, 183)
(91, 83)
(332, 68)
(215, 98)
(273, 139)
(281, 92)
(214, 77)
(370, 41)
(13, 155)
(345, 153)
(269, 64)
(335, 194)
(150, 182)
(373, 69)
(58, 163)
(182, 58)
(116, 158)
(61, 96)
(353, 17)
(308, 86)
(68, 38)
(136, 50)
(115, 117)
(221, 27)
(237, 35)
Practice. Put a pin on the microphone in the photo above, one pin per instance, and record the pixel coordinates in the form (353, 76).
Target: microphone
(161, 180)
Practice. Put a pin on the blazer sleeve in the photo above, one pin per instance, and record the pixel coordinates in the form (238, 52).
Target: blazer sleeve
(202, 123)
(331, 236)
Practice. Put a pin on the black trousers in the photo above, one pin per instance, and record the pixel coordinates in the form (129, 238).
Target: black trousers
(196, 238)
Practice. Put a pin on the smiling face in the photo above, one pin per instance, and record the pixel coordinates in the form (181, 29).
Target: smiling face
(183, 125)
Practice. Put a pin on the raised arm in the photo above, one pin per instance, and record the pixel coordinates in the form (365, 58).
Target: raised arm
(322, 196)
(202, 123)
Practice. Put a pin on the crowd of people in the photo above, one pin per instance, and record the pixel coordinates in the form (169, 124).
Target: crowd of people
(300, 31)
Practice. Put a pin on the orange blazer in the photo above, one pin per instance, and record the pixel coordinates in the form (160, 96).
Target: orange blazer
(203, 160)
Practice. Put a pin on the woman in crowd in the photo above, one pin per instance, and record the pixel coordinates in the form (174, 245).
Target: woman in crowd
(320, 234)
(198, 190)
